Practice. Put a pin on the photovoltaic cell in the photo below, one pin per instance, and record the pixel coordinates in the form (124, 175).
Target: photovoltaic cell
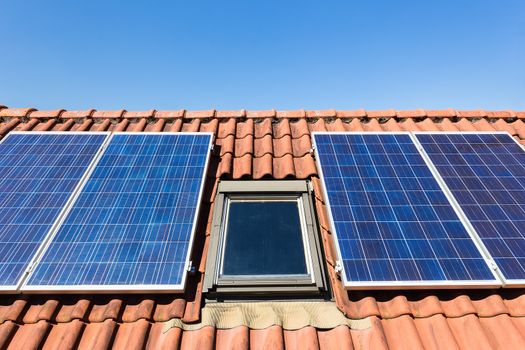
(486, 174)
(131, 226)
(38, 174)
(392, 220)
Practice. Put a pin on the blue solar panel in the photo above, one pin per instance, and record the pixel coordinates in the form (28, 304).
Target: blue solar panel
(38, 174)
(131, 226)
(486, 174)
(394, 224)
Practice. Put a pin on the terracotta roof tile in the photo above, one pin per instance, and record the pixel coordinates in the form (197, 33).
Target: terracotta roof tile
(282, 146)
(199, 114)
(46, 114)
(15, 112)
(268, 144)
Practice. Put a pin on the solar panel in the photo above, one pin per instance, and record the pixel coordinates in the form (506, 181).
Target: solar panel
(39, 172)
(486, 174)
(393, 223)
(132, 225)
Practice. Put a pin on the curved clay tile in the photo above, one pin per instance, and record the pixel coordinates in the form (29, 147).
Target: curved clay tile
(427, 125)
(244, 129)
(459, 306)
(336, 338)
(233, 338)
(242, 167)
(138, 114)
(27, 126)
(226, 145)
(304, 166)
(103, 126)
(262, 146)
(300, 113)
(156, 126)
(335, 125)
(13, 311)
(469, 333)
(505, 334)
(65, 126)
(299, 128)
(317, 125)
(244, 146)
(108, 114)
(262, 166)
(490, 306)
(519, 126)
(304, 338)
(160, 339)
(98, 335)
(372, 125)
(415, 113)
(402, 325)
(41, 311)
(131, 335)
(30, 336)
(478, 113)
(192, 126)
(169, 114)
(355, 125)
(391, 125)
(407, 125)
(203, 338)
(141, 310)
(465, 125)
(301, 146)
(7, 331)
(262, 128)
(388, 113)
(442, 113)
(200, 114)
(394, 307)
(502, 125)
(362, 308)
(283, 167)
(46, 114)
(231, 114)
(225, 166)
(501, 114)
(435, 333)
(74, 311)
(359, 113)
(103, 310)
(6, 127)
(16, 112)
(64, 335)
(327, 113)
(483, 125)
(77, 114)
(210, 126)
(268, 338)
(173, 126)
(426, 307)
(138, 126)
(46, 126)
(261, 114)
(520, 115)
(226, 128)
(282, 146)
(120, 126)
(281, 128)
(84, 126)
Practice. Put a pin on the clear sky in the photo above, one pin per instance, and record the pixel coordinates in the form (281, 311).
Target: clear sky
(198, 54)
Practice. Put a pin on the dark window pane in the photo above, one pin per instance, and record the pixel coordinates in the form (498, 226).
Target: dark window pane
(264, 238)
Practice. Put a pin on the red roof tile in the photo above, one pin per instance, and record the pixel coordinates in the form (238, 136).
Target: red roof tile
(265, 144)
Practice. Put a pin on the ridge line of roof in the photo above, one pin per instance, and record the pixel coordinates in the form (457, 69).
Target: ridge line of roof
(259, 114)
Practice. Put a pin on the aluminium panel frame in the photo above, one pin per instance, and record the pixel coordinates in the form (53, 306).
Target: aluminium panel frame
(506, 282)
(130, 288)
(63, 212)
(384, 285)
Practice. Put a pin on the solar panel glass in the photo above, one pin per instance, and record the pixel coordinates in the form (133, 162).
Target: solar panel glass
(486, 174)
(392, 220)
(38, 174)
(131, 226)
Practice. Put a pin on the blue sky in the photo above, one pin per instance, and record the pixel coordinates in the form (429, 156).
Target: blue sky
(263, 54)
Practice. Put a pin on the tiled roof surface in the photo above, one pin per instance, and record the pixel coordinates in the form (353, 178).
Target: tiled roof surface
(260, 145)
